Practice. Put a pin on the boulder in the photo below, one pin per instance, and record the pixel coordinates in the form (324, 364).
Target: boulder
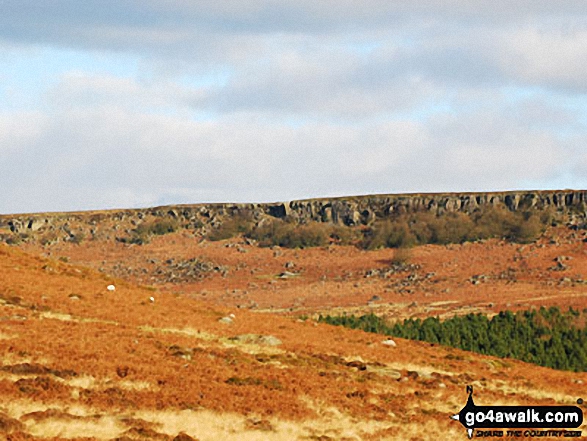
(389, 342)
(263, 340)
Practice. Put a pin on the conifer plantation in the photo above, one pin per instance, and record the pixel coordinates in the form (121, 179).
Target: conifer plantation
(546, 336)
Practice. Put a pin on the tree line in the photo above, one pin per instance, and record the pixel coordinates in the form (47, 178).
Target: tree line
(547, 336)
(398, 231)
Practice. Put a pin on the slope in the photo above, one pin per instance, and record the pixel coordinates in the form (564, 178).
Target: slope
(82, 362)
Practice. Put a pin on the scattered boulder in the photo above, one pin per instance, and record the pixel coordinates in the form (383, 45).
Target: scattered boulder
(387, 272)
(560, 265)
(385, 371)
(562, 258)
(478, 278)
(264, 340)
(178, 351)
(412, 375)
(389, 342)
(357, 365)
(196, 268)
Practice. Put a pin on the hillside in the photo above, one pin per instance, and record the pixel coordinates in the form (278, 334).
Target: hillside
(486, 276)
(216, 339)
(79, 360)
(569, 206)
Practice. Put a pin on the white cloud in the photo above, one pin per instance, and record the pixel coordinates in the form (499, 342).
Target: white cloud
(113, 157)
(263, 100)
(86, 90)
(21, 129)
(547, 58)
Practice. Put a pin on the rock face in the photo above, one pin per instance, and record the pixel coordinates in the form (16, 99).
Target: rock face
(366, 209)
(570, 205)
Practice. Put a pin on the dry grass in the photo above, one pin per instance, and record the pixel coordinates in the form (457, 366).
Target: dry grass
(168, 366)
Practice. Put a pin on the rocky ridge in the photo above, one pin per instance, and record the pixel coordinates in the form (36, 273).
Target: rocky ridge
(569, 205)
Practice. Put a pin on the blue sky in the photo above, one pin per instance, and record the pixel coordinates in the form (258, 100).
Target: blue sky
(128, 103)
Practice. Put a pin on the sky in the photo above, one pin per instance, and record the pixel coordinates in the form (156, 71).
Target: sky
(128, 103)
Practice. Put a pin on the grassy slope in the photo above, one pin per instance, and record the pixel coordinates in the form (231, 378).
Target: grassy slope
(80, 361)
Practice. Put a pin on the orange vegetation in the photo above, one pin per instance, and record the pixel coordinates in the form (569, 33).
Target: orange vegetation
(154, 360)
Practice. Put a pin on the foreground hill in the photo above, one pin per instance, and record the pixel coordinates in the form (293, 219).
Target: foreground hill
(80, 361)
(209, 332)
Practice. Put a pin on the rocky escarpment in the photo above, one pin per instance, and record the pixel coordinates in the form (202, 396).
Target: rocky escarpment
(366, 209)
(570, 206)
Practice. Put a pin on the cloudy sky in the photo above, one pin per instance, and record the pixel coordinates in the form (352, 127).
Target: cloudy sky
(133, 103)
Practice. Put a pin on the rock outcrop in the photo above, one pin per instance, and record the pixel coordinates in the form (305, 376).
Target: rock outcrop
(366, 209)
(569, 205)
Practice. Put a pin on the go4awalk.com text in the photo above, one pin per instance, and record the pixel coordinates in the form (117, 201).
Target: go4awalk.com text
(520, 421)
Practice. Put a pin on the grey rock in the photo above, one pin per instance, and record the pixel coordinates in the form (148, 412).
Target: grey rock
(263, 340)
